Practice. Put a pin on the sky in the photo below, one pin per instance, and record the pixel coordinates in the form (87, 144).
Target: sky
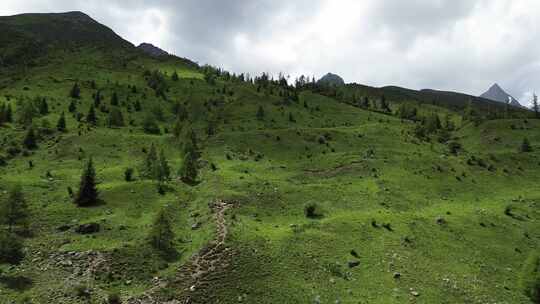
(456, 45)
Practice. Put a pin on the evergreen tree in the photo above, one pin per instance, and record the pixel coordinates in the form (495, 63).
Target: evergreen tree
(164, 171)
(26, 113)
(88, 193)
(72, 106)
(30, 140)
(526, 145)
(61, 124)
(175, 76)
(116, 119)
(75, 91)
(178, 127)
(150, 166)
(97, 99)
(150, 125)
(260, 113)
(161, 235)
(11, 248)
(188, 171)
(530, 277)
(8, 114)
(43, 106)
(114, 99)
(91, 117)
(190, 141)
(291, 117)
(535, 106)
(137, 106)
(14, 211)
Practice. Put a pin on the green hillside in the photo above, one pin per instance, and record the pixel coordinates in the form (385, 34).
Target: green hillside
(272, 194)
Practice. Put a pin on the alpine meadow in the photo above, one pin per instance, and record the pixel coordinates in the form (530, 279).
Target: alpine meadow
(131, 175)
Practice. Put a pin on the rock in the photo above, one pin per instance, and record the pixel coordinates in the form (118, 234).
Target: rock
(397, 275)
(415, 293)
(354, 254)
(196, 226)
(353, 264)
(88, 228)
(63, 228)
(440, 220)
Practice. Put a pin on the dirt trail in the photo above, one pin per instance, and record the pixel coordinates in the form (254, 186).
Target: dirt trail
(196, 273)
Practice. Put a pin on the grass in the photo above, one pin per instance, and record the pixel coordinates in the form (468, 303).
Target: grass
(380, 190)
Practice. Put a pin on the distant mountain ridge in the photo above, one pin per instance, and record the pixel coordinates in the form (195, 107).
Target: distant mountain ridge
(331, 80)
(152, 50)
(496, 93)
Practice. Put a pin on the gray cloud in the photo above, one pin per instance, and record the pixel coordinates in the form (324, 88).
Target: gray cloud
(462, 45)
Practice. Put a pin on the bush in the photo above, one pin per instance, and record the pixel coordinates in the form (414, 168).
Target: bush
(114, 298)
(128, 174)
(530, 278)
(312, 210)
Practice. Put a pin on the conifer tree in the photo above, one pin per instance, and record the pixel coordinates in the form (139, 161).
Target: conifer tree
(150, 165)
(11, 248)
(178, 127)
(536, 107)
(116, 119)
(188, 171)
(30, 140)
(43, 106)
(8, 114)
(174, 76)
(114, 99)
(88, 193)
(26, 113)
(137, 106)
(161, 235)
(14, 211)
(75, 91)
(97, 99)
(526, 145)
(164, 171)
(61, 124)
(260, 113)
(150, 125)
(91, 117)
(72, 106)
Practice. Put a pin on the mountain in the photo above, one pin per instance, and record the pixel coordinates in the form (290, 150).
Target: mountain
(331, 80)
(26, 37)
(496, 93)
(152, 50)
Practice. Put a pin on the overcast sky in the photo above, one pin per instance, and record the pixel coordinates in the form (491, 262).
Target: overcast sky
(460, 45)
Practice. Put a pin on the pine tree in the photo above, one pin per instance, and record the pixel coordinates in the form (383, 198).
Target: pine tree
(88, 193)
(75, 91)
(91, 117)
(116, 119)
(43, 106)
(178, 127)
(535, 106)
(27, 113)
(526, 146)
(97, 99)
(150, 166)
(188, 171)
(137, 106)
(175, 76)
(260, 113)
(150, 125)
(530, 277)
(61, 124)
(161, 235)
(164, 171)
(30, 140)
(114, 99)
(14, 211)
(11, 248)
(8, 116)
(72, 106)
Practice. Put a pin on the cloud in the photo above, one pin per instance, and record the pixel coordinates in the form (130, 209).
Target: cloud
(462, 45)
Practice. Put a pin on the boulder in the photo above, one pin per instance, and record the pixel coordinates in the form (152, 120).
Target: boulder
(88, 228)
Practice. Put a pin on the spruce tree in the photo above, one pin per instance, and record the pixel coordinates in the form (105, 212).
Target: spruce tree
(114, 99)
(164, 171)
(526, 145)
(150, 166)
(91, 117)
(150, 125)
(178, 127)
(116, 119)
(174, 76)
(43, 106)
(260, 113)
(88, 193)
(11, 248)
(188, 171)
(14, 211)
(97, 99)
(75, 91)
(30, 140)
(536, 107)
(161, 235)
(61, 124)
(72, 106)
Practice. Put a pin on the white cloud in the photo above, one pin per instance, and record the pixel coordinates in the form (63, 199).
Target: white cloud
(462, 45)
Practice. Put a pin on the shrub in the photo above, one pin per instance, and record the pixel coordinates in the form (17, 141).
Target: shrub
(128, 174)
(312, 210)
(114, 298)
(530, 278)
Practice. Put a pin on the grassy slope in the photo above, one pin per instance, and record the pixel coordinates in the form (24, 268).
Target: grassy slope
(281, 257)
